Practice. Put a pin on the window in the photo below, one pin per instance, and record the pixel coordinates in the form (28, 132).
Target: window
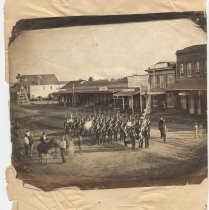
(162, 81)
(197, 67)
(181, 70)
(189, 69)
(170, 79)
(205, 67)
(51, 87)
(183, 102)
(153, 82)
(170, 101)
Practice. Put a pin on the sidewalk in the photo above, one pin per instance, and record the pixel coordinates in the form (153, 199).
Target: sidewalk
(177, 117)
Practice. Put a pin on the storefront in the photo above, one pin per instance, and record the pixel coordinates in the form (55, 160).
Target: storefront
(127, 100)
(191, 96)
(158, 101)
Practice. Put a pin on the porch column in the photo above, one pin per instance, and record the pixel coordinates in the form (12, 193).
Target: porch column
(199, 109)
(123, 103)
(191, 104)
(141, 103)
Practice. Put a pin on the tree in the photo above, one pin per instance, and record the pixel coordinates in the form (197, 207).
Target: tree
(19, 78)
(90, 79)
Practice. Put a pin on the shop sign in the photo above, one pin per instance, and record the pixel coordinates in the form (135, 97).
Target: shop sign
(103, 88)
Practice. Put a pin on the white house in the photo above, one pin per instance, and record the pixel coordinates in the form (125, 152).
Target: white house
(41, 85)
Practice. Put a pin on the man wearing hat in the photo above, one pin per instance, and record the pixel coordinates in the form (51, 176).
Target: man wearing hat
(43, 138)
(160, 126)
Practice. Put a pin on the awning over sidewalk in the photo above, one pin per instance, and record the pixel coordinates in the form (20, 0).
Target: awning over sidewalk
(82, 91)
(189, 84)
(126, 94)
(156, 92)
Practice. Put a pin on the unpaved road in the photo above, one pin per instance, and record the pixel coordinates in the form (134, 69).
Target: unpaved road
(181, 158)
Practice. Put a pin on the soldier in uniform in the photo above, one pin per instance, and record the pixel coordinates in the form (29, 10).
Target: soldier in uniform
(110, 133)
(149, 128)
(123, 134)
(79, 143)
(140, 140)
(132, 138)
(146, 137)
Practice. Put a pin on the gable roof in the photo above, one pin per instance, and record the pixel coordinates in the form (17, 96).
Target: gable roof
(70, 84)
(40, 79)
(95, 85)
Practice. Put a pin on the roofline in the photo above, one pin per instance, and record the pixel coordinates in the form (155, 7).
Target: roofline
(203, 47)
(37, 74)
(161, 69)
(138, 75)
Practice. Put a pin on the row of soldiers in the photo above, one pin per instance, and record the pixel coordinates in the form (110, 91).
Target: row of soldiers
(110, 129)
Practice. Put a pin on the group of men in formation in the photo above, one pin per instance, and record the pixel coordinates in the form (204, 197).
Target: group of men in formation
(134, 131)
(110, 129)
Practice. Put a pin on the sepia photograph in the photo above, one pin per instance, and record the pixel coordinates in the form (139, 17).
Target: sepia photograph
(103, 102)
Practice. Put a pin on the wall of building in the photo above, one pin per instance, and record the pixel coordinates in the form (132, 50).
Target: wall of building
(161, 76)
(191, 65)
(137, 81)
(42, 90)
(162, 80)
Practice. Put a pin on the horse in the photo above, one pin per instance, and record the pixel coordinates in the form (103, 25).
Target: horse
(44, 148)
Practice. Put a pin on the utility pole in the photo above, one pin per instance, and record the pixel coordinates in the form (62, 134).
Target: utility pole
(141, 98)
(73, 96)
(154, 82)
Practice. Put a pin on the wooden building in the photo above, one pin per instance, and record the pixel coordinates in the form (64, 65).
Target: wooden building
(117, 94)
(190, 88)
(161, 76)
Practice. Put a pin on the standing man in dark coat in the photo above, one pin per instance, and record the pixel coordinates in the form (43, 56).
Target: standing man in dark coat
(160, 126)
(63, 149)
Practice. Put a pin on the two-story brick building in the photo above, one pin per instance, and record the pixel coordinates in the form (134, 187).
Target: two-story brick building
(190, 88)
(161, 76)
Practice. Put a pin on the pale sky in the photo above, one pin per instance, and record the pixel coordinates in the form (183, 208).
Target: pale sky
(102, 51)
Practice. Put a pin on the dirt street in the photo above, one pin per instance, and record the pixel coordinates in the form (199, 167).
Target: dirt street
(181, 156)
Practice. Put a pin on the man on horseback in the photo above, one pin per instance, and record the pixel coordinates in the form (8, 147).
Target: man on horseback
(43, 138)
